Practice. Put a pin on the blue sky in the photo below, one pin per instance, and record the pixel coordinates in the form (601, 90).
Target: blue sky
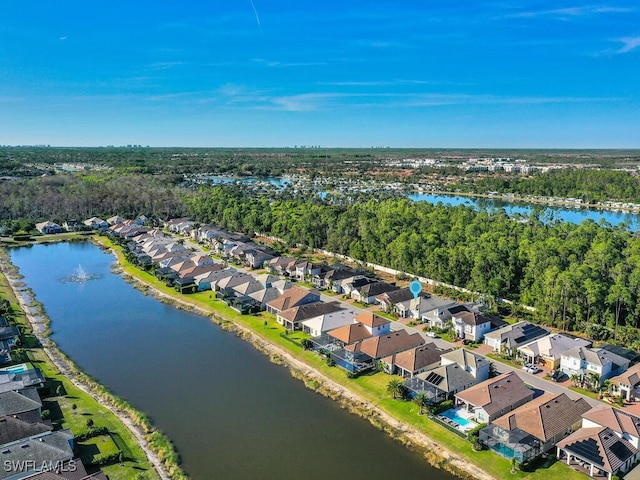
(563, 74)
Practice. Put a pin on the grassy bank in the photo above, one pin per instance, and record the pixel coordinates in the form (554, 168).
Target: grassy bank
(71, 407)
(371, 388)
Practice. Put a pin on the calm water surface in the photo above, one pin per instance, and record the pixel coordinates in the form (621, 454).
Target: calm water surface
(573, 215)
(230, 412)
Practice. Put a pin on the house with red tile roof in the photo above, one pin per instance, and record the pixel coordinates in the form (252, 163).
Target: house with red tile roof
(495, 397)
(535, 427)
(292, 298)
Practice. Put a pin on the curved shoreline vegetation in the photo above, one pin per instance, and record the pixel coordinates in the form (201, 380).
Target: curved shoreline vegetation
(578, 277)
(60, 369)
(365, 395)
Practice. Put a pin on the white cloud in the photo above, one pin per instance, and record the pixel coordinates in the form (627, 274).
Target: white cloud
(572, 12)
(629, 44)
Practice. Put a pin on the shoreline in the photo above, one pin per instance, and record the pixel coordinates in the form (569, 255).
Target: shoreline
(597, 207)
(40, 328)
(433, 452)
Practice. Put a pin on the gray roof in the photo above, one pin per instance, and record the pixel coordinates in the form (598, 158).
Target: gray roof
(465, 358)
(12, 403)
(45, 448)
(596, 356)
(449, 378)
(12, 429)
(518, 334)
(18, 381)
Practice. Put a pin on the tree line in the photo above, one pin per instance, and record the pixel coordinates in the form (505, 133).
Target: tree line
(589, 185)
(578, 277)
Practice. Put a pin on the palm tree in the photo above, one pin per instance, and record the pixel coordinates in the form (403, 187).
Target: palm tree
(395, 387)
(575, 378)
(422, 400)
(593, 379)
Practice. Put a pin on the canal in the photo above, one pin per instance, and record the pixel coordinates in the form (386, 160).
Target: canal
(230, 412)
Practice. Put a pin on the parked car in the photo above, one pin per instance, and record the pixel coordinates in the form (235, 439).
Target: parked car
(432, 335)
(529, 368)
(558, 376)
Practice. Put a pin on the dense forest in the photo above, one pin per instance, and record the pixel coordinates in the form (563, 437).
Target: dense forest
(579, 277)
(590, 185)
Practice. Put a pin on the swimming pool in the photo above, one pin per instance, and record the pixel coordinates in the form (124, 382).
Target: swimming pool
(452, 414)
(16, 368)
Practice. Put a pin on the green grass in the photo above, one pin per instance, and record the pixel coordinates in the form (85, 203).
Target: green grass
(371, 387)
(92, 447)
(64, 415)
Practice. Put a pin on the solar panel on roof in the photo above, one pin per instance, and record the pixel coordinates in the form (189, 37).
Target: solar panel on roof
(434, 378)
(620, 450)
(588, 449)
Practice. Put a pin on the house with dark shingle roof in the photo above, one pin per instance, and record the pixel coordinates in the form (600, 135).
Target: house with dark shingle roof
(508, 338)
(292, 318)
(535, 427)
(29, 455)
(368, 293)
(412, 362)
(494, 397)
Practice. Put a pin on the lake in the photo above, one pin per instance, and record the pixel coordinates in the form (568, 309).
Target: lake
(230, 412)
(573, 215)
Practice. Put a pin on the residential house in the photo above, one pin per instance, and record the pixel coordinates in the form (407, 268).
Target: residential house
(606, 444)
(332, 278)
(424, 304)
(388, 300)
(19, 377)
(376, 324)
(21, 415)
(292, 317)
(592, 364)
(28, 455)
(257, 259)
(115, 220)
(441, 316)
(412, 362)
(508, 338)
(8, 337)
(96, 223)
(368, 293)
(495, 397)
(535, 427)
(549, 349)
(348, 334)
(441, 382)
(48, 228)
(627, 384)
(282, 265)
(477, 365)
(354, 283)
(381, 346)
(325, 322)
(292, 298)
(73, 225)
(205, 281)
(471, 325)
(306, 270)
(362, 355)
